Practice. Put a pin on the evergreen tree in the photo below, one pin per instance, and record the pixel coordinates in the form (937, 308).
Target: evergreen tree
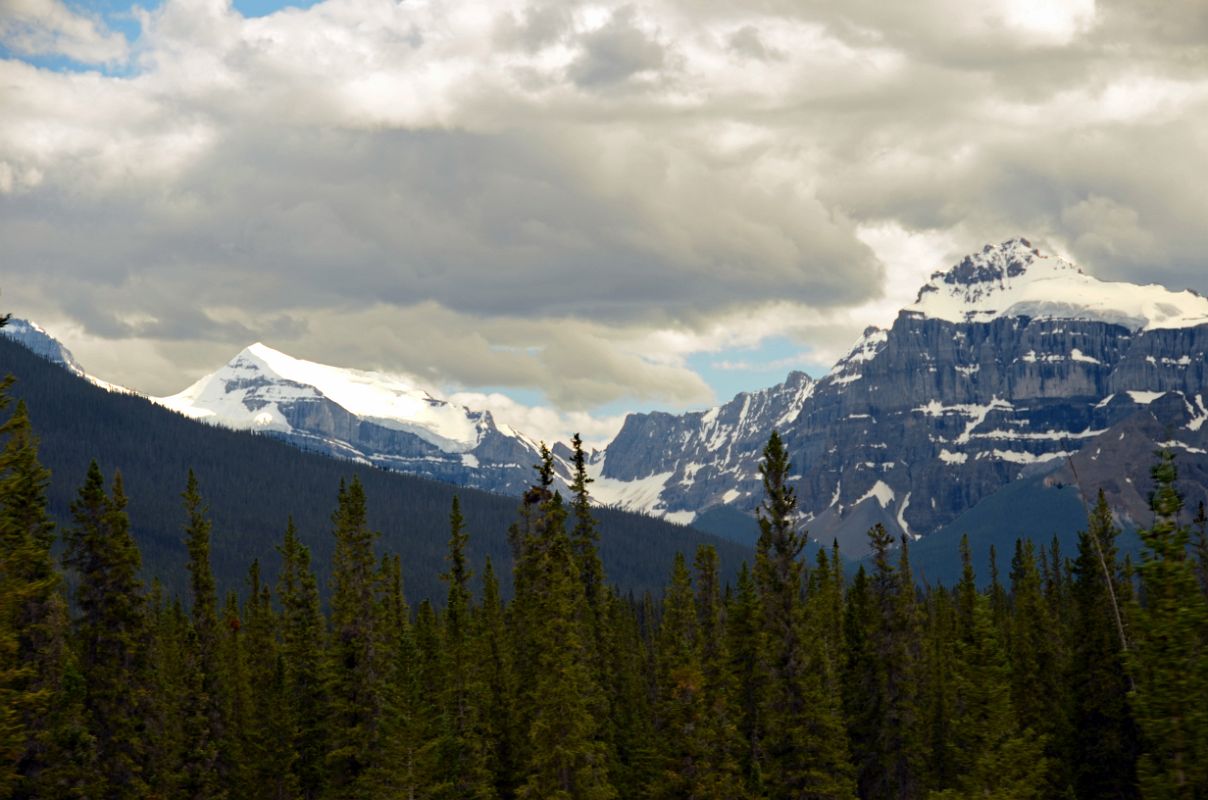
(302, 656)
(111, 632)
(1037, 661)
(41, 680)
(721, 739)
(986, 754)
(1169, 660)
(891, 756)
(208, 762)
(567, 757)
(993, 757)
(494, 659)
(1102, 749)
(806, 752)
(746, 646)
(166, 680)
(358, 664)
(631, 690)
(681, 715)
(462, 751)
(268, 741)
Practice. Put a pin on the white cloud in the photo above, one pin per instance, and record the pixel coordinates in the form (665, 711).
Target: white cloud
(576, 197)
(51, 28)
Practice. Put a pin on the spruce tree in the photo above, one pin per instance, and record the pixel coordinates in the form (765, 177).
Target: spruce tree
(41, 679)
(891, 756)
(461, 753)
(268, 740)
(357, 663)
(567, 756)
(1168, 658)
(1037, 661)
(208, 762)
(302, 648)
(1102, 749)
(806, 751)
(681, 706)
(745, 636)
(493, 656)
(993, 757)
(722, 742)
(111, 631)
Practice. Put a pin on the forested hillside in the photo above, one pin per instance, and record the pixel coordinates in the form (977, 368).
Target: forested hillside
(1078, 676)
(253, 483)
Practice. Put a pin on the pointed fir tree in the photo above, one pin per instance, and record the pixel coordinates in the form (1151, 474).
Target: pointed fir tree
(745, 635)
(493, 656)
(268, 741)
(1102, 749)
(111, 632)
(567, 757)
(1168, 659)
(41, 679)
(721, 738)
(805, 749)
(302, 646)
(208, 760)
(681, 709)
(461, 755)
(1036, 655)
(357, 663)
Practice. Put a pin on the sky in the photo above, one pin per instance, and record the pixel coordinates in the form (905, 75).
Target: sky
(566, 211)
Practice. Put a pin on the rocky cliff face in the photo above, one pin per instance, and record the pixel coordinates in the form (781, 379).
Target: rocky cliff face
(1009, 362)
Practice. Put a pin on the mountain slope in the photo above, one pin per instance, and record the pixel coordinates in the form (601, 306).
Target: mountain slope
(252, 483)
(374, 418)
(1007, 363)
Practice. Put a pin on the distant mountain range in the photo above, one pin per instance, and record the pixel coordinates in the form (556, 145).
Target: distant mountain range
(1010, 364)
(252, 484)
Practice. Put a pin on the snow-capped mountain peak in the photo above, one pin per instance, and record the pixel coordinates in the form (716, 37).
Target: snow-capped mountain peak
(251, 390)
(36, 339)
(1015, 279)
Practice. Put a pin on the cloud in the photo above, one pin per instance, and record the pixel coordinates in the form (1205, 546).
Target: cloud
(575, 198)
(616, 51)
(51, 28)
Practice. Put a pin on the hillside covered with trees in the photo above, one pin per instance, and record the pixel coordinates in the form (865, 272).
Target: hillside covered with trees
(1077, 676)
(253, 483)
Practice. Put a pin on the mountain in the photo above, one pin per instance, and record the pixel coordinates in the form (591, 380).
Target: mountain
(34, 338)
(1008, 363)
(253, 483)
(374, 418)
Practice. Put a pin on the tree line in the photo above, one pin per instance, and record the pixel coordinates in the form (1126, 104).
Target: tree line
(1078, 676)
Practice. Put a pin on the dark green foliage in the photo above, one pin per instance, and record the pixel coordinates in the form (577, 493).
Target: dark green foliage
(1102, 742)
(252, 482)
(111, 633)
(566, 754)
(461, 749)
(790, 684)
(1169, 655)
(47, 727)
(888, 726)
(302, 647)
(804, 750)
(358, 658)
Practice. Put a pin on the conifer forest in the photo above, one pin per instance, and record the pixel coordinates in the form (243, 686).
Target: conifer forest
(1078, 675)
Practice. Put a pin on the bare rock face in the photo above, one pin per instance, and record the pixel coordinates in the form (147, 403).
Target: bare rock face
(966, 392)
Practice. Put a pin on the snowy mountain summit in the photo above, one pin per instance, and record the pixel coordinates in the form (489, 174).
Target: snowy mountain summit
(385, 419)
(256, 387)
(37, 340)
(1008, 364)
(1014, 279)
